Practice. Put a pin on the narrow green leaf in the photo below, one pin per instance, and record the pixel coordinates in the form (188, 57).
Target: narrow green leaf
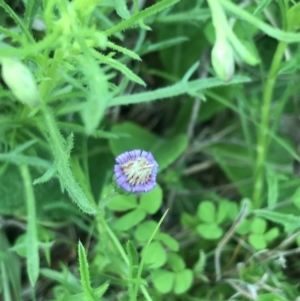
(30, 12)
(118, 66)
(18, 21)
(142, 15)
(288, 221)
(123, 50)
(98, 95)
(62, 165)
(261, 6)
(10, 34)
(141, 266)
(101, 290)
(272, 180)
(85, 274)
(175, 90)
(10, 271)
(23, 159)
(32, 254)
(133, 265)
(132, 254)
(276, 33)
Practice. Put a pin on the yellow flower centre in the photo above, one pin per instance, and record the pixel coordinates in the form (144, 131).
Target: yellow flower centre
(137, 171)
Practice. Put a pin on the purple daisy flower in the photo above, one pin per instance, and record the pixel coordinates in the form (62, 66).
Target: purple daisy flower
(136, 171)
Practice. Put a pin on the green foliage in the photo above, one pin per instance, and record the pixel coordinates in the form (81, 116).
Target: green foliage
(210, 89)
(134, 137)
(179, 279)
(149, 204)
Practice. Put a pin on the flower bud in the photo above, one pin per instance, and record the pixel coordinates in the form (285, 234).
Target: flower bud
(222, 59)
(21, 82)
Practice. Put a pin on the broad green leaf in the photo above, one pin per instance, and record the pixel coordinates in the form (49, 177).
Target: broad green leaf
(183, 281)
(145, 230)
(188, 220)
(244, 227)
(258, 225)
(296, 198)
(225, 155)
(134, 137)
(156, 255)
(290, 222)
(175, 262)
(271, 234)
(130, 219)
(210, 231)
(257, 241)
(163, 281)
(293, 17)
(123, 203)
(152, 200)
(207, 211)
(168, 241)
(224, 207)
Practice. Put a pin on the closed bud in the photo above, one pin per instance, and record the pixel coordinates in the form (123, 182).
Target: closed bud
(222, 59)
(21, 82)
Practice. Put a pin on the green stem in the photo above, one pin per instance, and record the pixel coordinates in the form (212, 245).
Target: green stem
(101, 221)
(263, 141)
(278, 34)
(33, 260)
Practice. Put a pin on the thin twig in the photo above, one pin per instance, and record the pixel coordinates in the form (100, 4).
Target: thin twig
(227, 236)
(193, 119)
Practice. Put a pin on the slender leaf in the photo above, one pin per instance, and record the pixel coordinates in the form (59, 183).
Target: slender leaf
(32, 254)
(85, 274)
